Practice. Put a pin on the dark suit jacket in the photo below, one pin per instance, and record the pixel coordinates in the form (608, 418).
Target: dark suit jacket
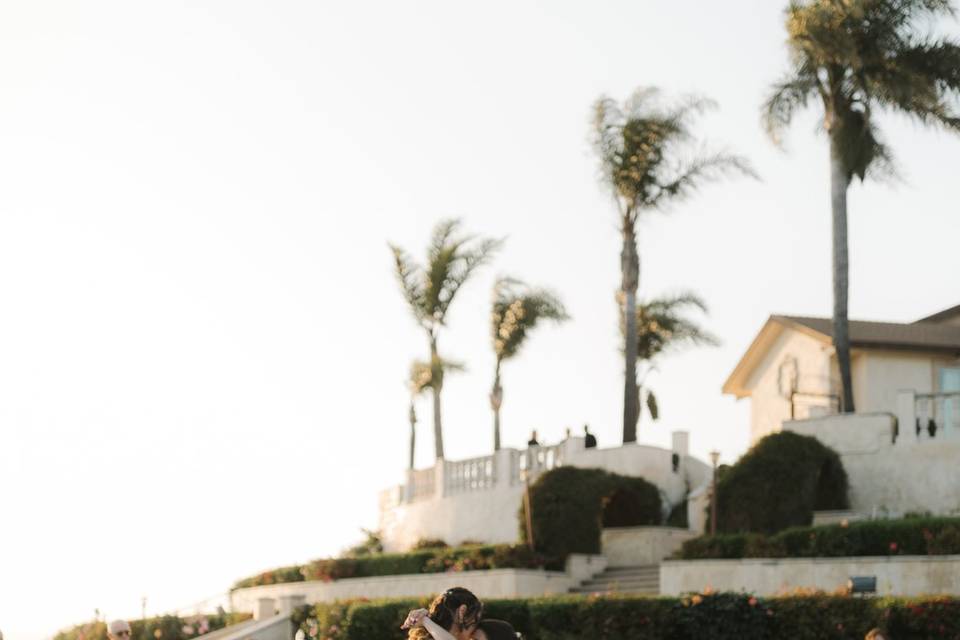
(498, 629)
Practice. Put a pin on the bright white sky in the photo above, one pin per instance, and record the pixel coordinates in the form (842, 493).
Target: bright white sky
(202, 347)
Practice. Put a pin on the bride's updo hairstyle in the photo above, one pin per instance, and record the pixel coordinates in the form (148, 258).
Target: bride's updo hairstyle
(443, 610)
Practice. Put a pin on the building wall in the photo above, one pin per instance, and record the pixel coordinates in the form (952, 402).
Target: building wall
(769, 408)
(896, 576)
(490, 514)
(887, 478)
(495, 583)
(877, 378)
(635, 546)
(887, 372)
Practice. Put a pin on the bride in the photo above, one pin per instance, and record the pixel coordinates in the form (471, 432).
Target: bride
(456, 614)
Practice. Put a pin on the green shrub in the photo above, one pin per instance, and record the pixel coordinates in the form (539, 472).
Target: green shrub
(429, 543)
(720, 616)
(431, 560)
(292, 573)
(916, 536)
(169, 627)
(569, 506)
(779, 483)
(820, 617)
(678, 515)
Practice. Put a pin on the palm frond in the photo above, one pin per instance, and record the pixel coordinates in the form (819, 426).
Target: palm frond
(676, 184)
(640, 146)
(516, 310)
(664, 324)
(452, 258)
(652, 406)
(410, 277)
(919, 81)
(423, 374)
(863, 55)
(786, 98)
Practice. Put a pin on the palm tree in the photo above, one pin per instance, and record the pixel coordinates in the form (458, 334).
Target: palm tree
(421, 379)
(858, 56)
(663, 326)
(645, 158)
(517, 309)
(430, 289)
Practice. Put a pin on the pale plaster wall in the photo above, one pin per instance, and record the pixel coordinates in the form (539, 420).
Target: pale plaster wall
(274, 627)
(633, 546)
(896, 576)
(887, 372)
(768, 407)
(886, 478)
(482, 516)
(490, 514)
(495, 583)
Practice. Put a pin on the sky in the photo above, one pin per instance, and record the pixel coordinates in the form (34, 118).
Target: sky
(202, 345)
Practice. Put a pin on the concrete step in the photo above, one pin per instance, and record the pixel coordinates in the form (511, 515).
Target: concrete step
(643, 579)
(631, 579)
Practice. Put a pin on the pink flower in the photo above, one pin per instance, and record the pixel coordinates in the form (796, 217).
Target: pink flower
(893, 547)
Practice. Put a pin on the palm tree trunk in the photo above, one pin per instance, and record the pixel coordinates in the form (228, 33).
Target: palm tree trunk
(496, 399)
(630, 274)
(839, 181)
(413, 432)
(639, 405)
(435, 386)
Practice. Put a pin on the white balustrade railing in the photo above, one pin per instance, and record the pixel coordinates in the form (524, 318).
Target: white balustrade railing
(482, 473)
(474, 474)
(539, 459)
(937, 415)
(422, 484)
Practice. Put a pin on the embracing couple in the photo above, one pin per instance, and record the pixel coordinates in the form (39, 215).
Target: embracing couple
(456, 614)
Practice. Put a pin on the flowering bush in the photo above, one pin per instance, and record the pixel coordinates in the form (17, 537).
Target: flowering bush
(162, 628)
(431, 560)
(704, 616)
(913, 536)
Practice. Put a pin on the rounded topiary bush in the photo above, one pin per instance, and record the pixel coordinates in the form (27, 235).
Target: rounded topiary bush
(569, 507)
(779, 483)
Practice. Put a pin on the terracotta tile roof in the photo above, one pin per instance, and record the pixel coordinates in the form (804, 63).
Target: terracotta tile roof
(925, 335)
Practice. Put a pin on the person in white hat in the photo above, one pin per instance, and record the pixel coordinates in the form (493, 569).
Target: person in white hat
(118, 630)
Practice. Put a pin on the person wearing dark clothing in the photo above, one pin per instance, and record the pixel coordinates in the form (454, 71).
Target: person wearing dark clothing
(589, 440)
(456, 614)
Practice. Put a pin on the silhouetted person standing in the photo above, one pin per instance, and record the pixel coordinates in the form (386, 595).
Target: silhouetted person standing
(532, 442)
(589, 440)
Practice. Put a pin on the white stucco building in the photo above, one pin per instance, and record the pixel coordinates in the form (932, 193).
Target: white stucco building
(790, 370)
(479, 499)
(901, 449)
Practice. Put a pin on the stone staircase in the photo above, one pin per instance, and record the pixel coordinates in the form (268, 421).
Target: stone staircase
(642, 580)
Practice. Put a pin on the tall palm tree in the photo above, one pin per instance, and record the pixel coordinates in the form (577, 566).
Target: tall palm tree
(663, 325)
(858, 56)
(517, 309)
(429, 289)
(421, 378)
(645, 157)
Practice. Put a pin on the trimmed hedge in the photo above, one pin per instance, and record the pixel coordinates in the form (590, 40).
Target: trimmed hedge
(715, 616)
(913, 536)
(430, 560)
(159, 628)
(779, 483)
(569, 507)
